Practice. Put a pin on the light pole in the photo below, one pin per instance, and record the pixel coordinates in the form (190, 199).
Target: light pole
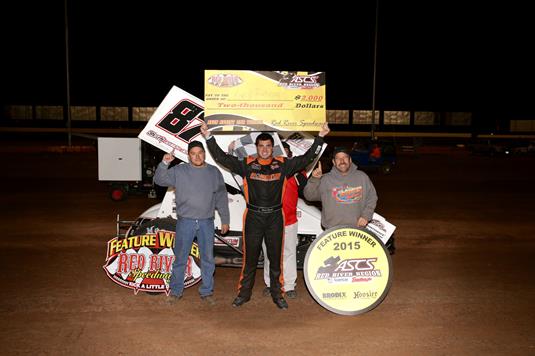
(375, 67)
(68, 85)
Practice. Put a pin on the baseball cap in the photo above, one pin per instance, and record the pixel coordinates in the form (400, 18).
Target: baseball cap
(195, 144)
(340, 149)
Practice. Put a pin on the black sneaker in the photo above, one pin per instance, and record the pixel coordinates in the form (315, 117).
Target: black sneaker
(280, 303)
(266, 292)
(239, 301)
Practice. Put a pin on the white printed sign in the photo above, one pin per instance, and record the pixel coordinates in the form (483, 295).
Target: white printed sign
(380, 227)
(176, 122)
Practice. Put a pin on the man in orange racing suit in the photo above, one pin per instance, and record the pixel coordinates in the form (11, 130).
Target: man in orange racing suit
(264, 178)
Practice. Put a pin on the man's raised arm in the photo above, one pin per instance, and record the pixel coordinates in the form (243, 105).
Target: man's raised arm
(299, 163)
(228, 161)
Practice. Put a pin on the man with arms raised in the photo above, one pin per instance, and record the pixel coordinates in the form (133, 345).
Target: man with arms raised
(264, 178)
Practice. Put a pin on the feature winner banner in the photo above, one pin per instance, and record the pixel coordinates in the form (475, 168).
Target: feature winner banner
(145, 262)
(348, 270)
(264, 100)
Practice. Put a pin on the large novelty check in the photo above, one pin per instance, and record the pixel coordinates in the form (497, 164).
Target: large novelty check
(264, 100)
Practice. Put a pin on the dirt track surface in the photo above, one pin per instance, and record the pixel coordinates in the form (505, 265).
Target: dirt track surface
(463, 271)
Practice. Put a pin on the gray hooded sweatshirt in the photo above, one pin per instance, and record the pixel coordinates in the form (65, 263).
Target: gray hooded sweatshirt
(344, 198)
(198, 190)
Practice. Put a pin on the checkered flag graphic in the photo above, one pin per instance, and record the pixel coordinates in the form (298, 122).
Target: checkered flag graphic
(245, 145)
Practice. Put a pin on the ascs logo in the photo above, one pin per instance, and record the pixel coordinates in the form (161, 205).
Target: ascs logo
(348, 270)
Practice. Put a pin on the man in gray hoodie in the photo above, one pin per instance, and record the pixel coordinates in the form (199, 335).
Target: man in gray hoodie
(347, 195)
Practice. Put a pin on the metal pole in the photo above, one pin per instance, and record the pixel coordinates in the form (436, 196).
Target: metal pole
(67, 76)
(375, 67)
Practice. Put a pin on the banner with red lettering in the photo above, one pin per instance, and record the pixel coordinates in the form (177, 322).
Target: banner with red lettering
(145, 262)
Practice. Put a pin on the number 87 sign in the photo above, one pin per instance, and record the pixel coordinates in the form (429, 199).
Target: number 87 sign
(348, 270)
(175, 123)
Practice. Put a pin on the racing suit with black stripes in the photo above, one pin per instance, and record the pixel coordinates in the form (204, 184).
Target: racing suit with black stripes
(263, 184)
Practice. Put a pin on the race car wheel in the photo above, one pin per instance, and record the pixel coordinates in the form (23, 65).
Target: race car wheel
(192, 273)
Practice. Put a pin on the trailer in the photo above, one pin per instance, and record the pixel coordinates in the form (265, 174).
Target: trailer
(128, 165)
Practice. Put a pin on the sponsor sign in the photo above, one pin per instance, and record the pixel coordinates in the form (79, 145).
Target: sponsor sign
(265, 100)
(381, 227)
(175, 123)
(145, 262)
(348, 270)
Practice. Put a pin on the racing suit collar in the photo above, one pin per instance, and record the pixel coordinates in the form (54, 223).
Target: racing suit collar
(265, 161)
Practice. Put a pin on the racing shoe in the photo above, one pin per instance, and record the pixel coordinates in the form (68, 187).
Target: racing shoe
(239, 301)
(291, 294)
(280, 303)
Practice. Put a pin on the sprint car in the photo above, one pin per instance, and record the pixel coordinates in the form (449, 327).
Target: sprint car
(228, 249)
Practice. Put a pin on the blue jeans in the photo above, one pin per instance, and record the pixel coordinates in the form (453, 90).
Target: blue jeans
(186, 230)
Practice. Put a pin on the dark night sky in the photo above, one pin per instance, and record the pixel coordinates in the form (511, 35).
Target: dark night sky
(432, 56)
